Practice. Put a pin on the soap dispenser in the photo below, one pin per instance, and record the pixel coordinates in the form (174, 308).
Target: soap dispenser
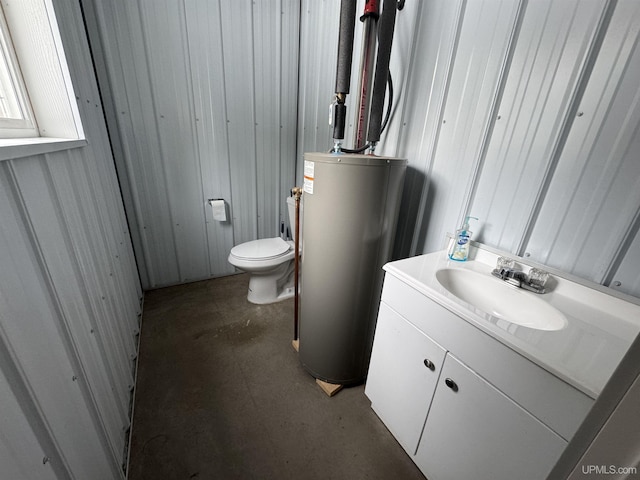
(460, 249)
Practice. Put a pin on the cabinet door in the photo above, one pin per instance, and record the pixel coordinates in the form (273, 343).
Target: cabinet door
(402, 377)
(473, 431)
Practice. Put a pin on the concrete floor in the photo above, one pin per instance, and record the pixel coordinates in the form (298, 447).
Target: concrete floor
(221, 395)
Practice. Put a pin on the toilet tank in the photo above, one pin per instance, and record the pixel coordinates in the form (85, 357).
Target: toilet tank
(291, 207)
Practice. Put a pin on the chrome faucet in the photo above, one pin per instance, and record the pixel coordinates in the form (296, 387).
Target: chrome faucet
(534, 282)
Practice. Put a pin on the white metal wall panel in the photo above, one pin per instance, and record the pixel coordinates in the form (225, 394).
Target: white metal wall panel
(34, 330)
(544, 73)
(482, 45)
(125, 52)
(594, 197)
(21, 454)
(319, 23)
(69, 297)
(167, 60)
(289, 51)
(421, 113)
(200, 112)
(204, 31)
(625, 277)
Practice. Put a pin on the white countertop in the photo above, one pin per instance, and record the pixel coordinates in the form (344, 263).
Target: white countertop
(600, 326)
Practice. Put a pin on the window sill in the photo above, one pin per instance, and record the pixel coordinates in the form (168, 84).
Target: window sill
(12, 148)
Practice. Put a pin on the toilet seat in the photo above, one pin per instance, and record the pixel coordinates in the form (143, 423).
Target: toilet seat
(263, 249)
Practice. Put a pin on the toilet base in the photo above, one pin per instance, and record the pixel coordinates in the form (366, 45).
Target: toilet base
(273, 286)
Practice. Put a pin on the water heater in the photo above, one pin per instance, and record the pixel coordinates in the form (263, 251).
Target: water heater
(351, 207)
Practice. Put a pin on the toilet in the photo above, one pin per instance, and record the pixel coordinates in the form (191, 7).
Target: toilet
(270, 263)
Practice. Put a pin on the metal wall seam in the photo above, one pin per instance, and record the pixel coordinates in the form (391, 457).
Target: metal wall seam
(264, 80)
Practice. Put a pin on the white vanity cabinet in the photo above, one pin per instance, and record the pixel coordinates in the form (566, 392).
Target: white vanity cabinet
(476, 409)
(403, 374)
(473, 431)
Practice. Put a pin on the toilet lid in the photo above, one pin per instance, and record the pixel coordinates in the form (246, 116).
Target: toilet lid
(262, 249)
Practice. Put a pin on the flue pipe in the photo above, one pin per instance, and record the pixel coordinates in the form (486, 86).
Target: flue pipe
(385, 41)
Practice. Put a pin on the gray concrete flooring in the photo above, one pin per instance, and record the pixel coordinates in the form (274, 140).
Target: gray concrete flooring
(221, 394)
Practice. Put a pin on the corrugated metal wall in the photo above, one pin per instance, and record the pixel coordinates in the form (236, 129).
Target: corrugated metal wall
(202, 104)
(524, 114)
(69, 299)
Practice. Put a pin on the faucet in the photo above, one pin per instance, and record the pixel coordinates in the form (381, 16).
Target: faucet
(534, 282)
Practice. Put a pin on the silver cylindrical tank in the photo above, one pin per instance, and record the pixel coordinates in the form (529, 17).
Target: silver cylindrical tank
(351, 207)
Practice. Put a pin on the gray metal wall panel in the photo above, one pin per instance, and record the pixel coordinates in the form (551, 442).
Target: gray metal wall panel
(70, 295)
(200, 112)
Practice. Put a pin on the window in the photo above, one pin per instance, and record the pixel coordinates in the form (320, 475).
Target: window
(38, 108)
(16, 117)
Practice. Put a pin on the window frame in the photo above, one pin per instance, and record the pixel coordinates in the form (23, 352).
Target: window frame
(15, 127)
(34, 31)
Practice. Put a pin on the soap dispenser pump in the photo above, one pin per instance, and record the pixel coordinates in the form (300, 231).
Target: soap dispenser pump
(460, 249)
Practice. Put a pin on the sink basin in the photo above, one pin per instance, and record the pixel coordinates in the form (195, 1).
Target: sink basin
(495, 297)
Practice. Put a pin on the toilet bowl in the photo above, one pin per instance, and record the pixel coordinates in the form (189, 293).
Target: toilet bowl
(269, 262)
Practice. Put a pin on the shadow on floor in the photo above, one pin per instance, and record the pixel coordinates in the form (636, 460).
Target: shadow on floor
(221, 395)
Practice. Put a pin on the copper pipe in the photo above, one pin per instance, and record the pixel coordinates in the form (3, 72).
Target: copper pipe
(297, 193)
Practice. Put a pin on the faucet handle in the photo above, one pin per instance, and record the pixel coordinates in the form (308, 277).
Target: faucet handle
(538, 277)
(505, 263)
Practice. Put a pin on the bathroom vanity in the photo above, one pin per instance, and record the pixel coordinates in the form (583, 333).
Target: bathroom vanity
(478, 379)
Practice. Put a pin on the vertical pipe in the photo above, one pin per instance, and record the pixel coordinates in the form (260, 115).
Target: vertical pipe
(345, 46)
(385, 41)
(297, 192)
(343, 68)
(367, 58)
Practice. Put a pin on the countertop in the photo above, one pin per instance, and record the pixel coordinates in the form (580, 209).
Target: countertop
(600, 326)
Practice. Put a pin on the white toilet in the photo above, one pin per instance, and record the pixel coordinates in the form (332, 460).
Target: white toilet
(269, 261)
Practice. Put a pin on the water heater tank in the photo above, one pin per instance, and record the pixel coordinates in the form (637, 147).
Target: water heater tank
(351, 208)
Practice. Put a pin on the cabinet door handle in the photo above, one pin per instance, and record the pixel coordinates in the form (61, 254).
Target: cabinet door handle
(429, 364)
(451, 384)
